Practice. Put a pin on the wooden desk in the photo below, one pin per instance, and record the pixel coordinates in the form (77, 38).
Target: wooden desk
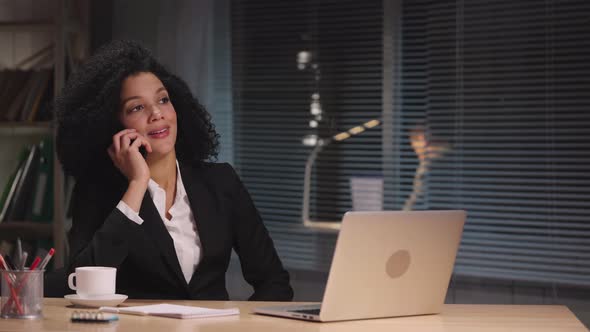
(457, 317)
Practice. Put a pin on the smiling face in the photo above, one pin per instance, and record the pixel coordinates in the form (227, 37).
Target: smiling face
(146, 107)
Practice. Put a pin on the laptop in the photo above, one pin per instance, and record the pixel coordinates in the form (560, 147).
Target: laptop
(386, 264)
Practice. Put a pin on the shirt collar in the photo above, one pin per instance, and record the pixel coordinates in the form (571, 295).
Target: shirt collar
(154, 187)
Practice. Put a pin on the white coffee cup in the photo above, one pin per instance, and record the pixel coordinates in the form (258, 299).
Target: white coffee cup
(93, 281)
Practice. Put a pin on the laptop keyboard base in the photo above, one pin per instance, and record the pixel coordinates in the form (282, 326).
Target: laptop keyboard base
(307, 311)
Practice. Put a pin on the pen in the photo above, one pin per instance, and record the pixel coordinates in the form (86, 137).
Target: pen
(35, 263)
(3, 263)
(14, 290)
(19, 253)
(5, 267)
(11, 286)
(23, 262)
(47, 258)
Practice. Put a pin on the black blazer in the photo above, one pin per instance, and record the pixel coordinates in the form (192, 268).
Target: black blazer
(144, 255)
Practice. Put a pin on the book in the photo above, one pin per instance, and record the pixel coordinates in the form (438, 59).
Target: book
(7, 95)
(9, 199)
(4, 81)
(23, 193)
(6, 191)
(44, 111)
(24, 93)
(41, 96)
(41, 209)
(20, 81)
(172, 311)
(32, 91)
(17, 103)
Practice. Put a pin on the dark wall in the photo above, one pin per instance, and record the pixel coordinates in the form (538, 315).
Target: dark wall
(128, 19)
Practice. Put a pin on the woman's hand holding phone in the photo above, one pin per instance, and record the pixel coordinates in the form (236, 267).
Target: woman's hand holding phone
(127, 157)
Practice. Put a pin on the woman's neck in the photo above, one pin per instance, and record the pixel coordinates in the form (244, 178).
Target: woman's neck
(163, 170)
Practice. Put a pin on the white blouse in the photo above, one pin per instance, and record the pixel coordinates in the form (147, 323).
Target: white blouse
(181, 226)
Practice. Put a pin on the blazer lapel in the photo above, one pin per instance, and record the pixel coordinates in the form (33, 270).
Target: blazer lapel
(202, 204)
(154, 225)
(204, 210)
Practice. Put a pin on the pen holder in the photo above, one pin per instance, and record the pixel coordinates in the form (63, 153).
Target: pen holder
(22, 294)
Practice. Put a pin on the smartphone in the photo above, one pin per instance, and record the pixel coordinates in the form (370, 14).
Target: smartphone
(143, 151)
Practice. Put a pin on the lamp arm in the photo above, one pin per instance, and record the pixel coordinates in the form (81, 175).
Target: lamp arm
(325, 225)
(307, 180)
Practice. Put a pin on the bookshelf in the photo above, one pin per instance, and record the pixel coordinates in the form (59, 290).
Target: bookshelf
(26, 230)
(30, 26)
(19, 128)
(52, 25)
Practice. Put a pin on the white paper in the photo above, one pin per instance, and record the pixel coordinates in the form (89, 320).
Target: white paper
(366, 193)
(172, 310)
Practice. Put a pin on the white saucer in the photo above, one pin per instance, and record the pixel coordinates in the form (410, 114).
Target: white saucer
(96, 301)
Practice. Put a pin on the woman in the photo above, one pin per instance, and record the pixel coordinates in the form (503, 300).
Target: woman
(146, 201)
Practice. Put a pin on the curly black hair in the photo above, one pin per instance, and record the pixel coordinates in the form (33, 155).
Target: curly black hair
(86, 111)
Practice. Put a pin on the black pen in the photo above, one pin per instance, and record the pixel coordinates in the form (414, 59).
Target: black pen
(19, 253)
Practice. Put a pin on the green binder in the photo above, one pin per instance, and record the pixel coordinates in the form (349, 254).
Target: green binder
(42, 208)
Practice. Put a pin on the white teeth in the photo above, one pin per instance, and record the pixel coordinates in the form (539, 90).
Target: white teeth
(158, 132)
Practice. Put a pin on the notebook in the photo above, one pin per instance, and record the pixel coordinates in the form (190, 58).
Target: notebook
(172, 311)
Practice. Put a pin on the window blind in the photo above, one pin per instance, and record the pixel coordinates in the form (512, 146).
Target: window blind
(272, 111)
(504, 86)
(220, 93)
(497, 90)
